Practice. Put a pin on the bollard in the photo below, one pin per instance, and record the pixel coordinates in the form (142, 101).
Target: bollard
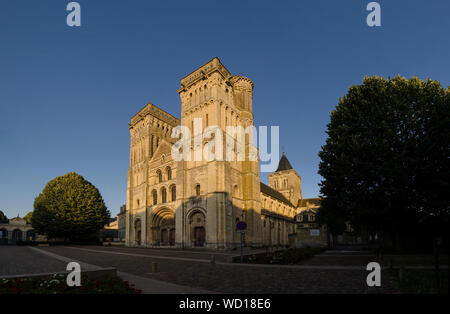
(154, 267)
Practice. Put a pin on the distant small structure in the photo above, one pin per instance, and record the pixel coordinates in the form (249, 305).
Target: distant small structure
(112, 224)
(121, 222)
(15, 230)
(114, 231)
(309, 233)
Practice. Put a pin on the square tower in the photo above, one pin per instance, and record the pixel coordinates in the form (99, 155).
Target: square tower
(213, 195)
(287, 181)
(149, 129)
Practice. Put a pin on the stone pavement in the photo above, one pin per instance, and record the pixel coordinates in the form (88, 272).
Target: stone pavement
(321, 274)
(152, 286)
(15, 260)
(146, 285)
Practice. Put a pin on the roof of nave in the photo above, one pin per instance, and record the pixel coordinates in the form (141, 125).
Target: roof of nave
(284, 164)
(164, 149)
(275, 194)
(269, 213)
(307, 212)
(311, 201)
(155, 111)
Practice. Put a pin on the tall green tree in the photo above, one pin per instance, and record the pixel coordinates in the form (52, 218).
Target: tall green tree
(28, 216)
(3, 217)
(385, 164)
(69, 207)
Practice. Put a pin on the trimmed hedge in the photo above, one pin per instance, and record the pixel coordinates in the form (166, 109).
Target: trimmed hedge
(289, 256)
(56, 284)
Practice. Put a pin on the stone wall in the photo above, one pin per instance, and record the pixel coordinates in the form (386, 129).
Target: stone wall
(309, 237)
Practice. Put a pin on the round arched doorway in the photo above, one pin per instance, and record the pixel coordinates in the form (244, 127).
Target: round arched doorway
(197, 228)
(137, 231)
(163, 227)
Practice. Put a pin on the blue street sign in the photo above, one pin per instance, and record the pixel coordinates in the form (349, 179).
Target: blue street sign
(241, 225)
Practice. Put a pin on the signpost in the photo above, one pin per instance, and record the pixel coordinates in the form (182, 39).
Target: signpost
(241, 226)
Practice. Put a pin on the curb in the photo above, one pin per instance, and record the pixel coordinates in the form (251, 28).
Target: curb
(109, 271)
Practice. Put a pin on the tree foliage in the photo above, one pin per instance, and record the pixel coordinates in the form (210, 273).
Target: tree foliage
(69, 207)
(3, 217)
(28, 216)
(385, 163)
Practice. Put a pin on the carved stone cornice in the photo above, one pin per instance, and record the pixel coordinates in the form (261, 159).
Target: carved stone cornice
(204, 72)
(242, 83)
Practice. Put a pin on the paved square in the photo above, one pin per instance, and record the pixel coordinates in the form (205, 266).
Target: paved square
(331, 272)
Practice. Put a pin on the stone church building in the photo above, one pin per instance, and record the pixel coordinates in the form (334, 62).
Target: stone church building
(198, 203)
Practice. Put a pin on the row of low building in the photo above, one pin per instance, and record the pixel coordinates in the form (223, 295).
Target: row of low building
(15, 230)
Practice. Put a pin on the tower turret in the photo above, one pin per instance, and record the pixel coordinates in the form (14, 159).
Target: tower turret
(287, 181)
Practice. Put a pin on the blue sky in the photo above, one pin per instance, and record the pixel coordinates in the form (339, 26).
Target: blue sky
(67, 94)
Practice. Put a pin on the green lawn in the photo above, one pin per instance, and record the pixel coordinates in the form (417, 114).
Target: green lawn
(56, 284)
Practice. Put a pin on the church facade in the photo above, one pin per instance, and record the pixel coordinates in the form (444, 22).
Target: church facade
(192, 203)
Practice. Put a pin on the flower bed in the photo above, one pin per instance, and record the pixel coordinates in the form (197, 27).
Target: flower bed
(56, 284)
(289, 256)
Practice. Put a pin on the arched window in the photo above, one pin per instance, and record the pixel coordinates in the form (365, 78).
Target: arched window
(174, 193)
(155, 197)
(159, 174)
(164, 195)
(4, 235)
(197, 190)
(305, 218)
(169, 173)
